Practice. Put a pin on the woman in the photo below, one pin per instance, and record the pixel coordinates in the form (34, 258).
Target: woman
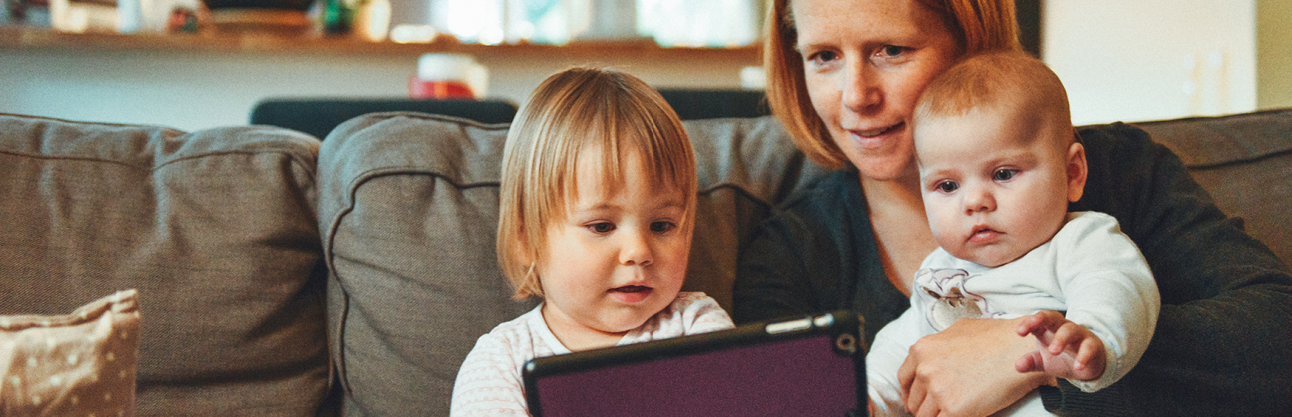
(843, 76)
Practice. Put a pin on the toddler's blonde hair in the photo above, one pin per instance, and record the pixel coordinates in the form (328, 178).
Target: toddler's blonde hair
(572, 111)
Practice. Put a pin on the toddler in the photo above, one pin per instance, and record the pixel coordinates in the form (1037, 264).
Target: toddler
(596, 213)
(999, 162)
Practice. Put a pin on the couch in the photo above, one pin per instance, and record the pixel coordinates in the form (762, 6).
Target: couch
(278, 274)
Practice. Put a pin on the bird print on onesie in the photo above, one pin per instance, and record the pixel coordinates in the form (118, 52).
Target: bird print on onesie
(947, 299)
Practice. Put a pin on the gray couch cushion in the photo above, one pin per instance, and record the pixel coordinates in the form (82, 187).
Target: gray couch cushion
(216, 229)
(409, 204)
(1245, 162)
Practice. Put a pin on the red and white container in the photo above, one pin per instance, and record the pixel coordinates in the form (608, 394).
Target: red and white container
(448, 77)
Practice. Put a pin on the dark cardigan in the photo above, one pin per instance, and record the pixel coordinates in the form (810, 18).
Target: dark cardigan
(1221, 341)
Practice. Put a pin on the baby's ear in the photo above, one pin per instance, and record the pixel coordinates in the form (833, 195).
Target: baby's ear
(1077, 171)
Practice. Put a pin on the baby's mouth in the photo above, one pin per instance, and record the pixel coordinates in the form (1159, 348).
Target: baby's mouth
(983, 234)
(631, 288)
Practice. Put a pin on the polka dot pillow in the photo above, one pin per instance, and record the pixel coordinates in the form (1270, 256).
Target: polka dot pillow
(80, 364)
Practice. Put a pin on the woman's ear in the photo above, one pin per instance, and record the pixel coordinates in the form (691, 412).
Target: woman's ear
(1077, 171)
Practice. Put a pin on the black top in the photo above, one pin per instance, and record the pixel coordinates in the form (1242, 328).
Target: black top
(1223, 343)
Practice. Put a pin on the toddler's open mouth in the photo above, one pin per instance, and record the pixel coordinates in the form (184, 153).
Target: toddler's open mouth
(631, 293)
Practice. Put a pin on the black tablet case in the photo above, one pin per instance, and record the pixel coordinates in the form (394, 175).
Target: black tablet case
(811, 366)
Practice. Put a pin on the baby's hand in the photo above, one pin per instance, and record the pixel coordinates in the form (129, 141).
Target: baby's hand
(1066, 349)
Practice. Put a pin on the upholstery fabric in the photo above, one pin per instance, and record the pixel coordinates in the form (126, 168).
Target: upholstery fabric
(409, 206)
(1245, 162)
(215, 228)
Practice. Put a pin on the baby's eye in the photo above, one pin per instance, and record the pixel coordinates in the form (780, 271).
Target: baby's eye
(601, 228)
(947, 186)
(662, 227)
(1004, 174)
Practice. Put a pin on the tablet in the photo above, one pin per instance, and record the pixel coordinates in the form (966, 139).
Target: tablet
(809, 366)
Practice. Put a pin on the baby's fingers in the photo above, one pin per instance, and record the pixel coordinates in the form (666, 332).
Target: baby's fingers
(1030, 362)
(1069, 335)
(1090, 359)
(1040, 322)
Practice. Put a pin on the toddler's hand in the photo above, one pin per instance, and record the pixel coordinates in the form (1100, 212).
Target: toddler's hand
(1066, 349)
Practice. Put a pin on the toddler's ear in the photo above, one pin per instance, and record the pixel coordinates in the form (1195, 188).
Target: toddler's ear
(520, 250)
(1077, 170)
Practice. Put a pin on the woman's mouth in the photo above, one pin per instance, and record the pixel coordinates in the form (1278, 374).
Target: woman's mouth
(631, 293)
(872, 133)
(877, 137)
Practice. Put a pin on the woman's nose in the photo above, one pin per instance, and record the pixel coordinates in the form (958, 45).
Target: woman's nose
(861, 91)
(636, 250)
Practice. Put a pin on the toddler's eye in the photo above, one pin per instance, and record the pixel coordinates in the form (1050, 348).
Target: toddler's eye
(601, 228)
(661, 227)
(1004, 174)
(947, 186)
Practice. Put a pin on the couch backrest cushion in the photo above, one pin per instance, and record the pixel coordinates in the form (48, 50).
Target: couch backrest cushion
(1245, 162)
(215, 229)
(408, 206)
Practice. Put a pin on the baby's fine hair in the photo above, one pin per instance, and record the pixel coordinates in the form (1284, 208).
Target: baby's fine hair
(998, 81)
(576, 110)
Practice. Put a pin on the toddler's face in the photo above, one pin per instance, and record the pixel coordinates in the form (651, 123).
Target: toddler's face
(618, 257)
(995, 183)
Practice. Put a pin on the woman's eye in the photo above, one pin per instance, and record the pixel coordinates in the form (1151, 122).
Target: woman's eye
(947, 186)
(661, 227)
(601, 228)
(1004, 174)
(892, 50)
(822, 57)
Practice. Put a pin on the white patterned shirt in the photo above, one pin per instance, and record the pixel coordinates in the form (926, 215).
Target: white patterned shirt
(489, 381)
(1089, 270)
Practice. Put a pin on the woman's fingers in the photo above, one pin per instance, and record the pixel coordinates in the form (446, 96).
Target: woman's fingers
(915, 396)
(927, 409)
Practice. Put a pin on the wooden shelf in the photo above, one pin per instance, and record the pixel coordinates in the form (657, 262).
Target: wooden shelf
(23, 38)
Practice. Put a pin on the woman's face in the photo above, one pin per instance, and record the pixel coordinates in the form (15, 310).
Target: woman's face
(865, 63)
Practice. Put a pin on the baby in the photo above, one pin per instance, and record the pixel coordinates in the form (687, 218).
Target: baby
(999, 162)
(596, 214)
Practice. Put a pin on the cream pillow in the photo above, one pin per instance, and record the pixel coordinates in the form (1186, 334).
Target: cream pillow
(77, 364)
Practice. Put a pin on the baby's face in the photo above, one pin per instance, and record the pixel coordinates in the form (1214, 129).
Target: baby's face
(995, 182)
(619, 256)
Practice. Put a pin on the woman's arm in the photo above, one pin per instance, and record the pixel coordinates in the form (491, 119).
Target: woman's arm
(771, 274)
(1220, 346)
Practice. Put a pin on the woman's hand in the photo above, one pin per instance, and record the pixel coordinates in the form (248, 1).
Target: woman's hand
(968, 369)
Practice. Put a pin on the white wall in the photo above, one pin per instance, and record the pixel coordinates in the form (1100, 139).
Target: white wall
(1152, 59)
(1273, 54)
(194, 90)
(188, 91)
